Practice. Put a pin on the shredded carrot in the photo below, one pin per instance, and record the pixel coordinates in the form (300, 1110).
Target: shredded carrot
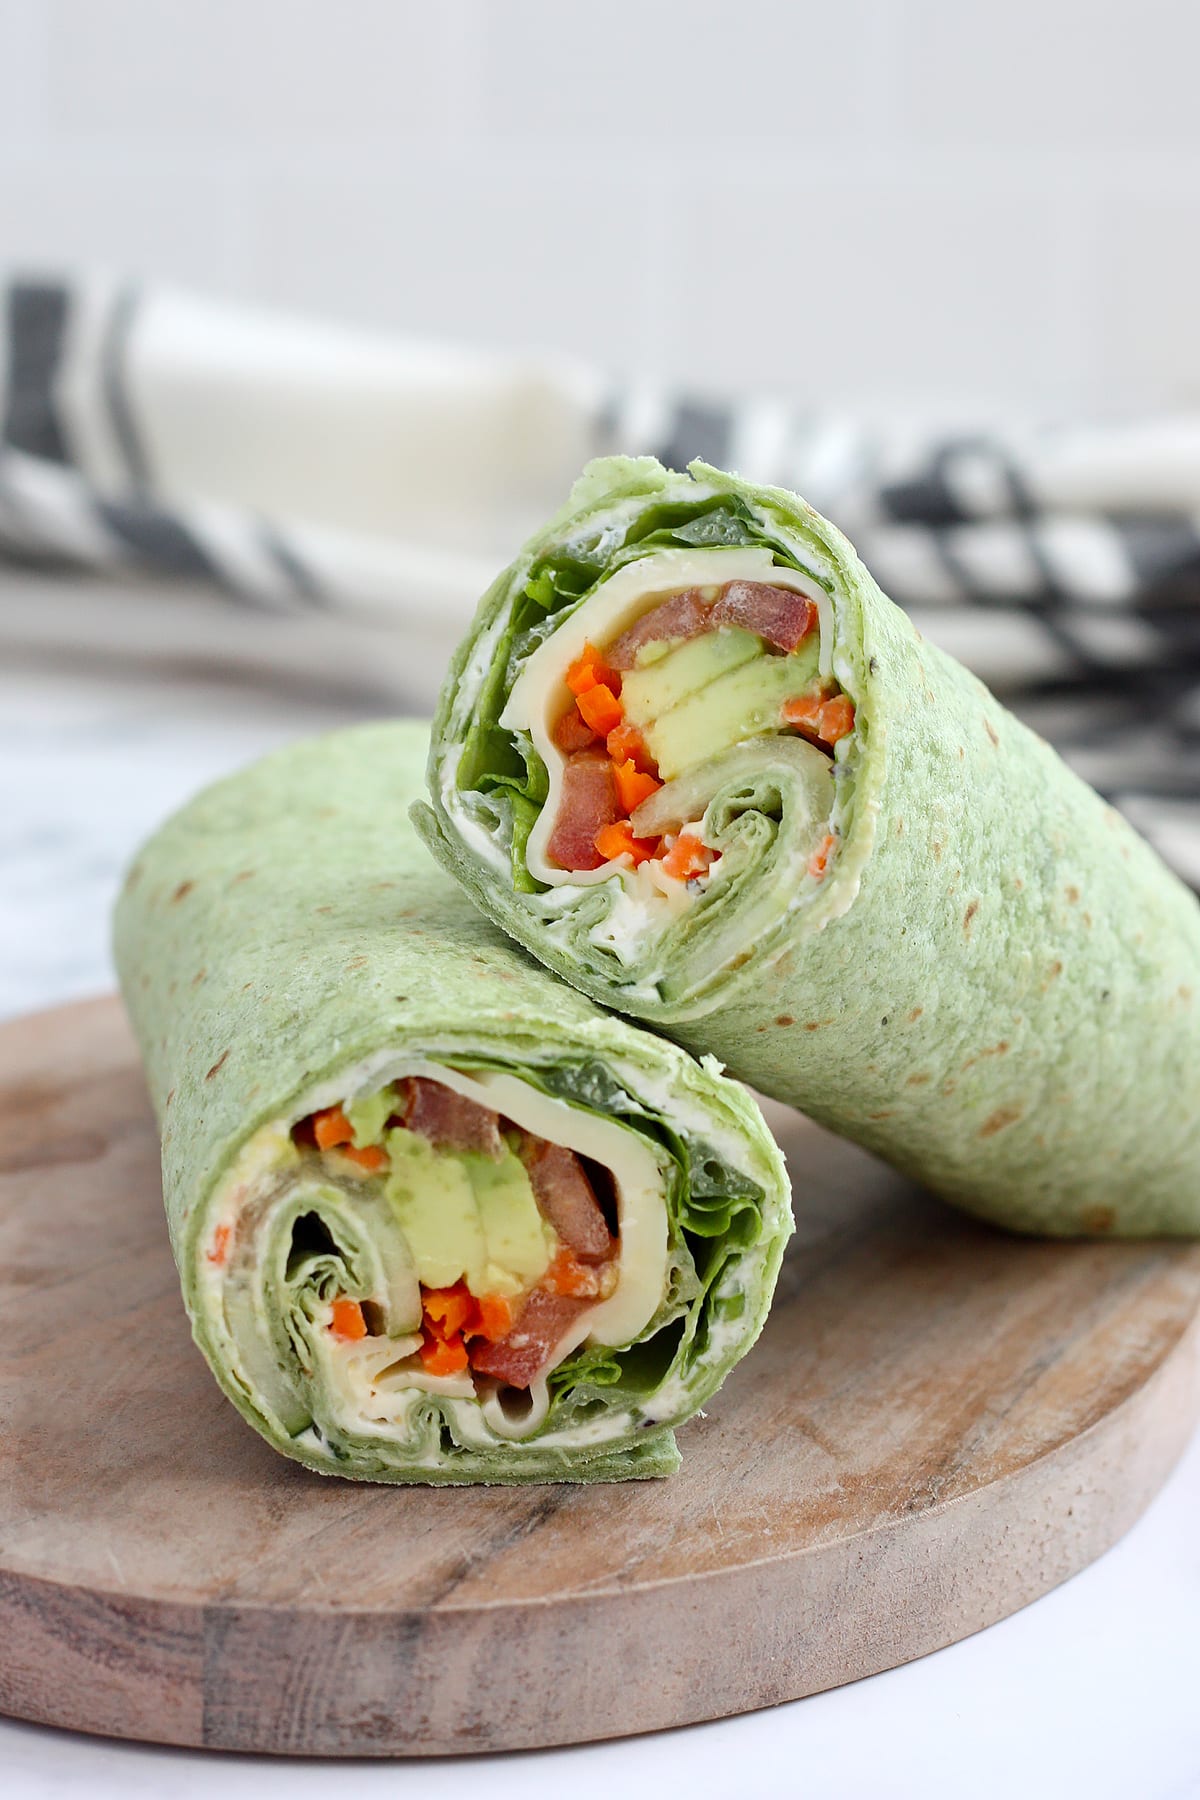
(618, 840)
(495, 1318)
(442, 1356)
(687, 856)
(600, 708)
(348, 1321)
(632, 786)
(332, 1128)
(589, 669)
(370, 1159)
(626, 744)
(803, 709)
(819, 859)
(828, 718)
(837, 718)
(582, 673)
(566, 1275)
(448, 1310)
(220, 1246)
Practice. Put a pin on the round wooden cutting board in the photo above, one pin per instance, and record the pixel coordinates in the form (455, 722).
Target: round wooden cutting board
(938, 1425)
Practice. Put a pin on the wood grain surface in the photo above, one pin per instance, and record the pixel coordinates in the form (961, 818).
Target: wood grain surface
(939, 1424)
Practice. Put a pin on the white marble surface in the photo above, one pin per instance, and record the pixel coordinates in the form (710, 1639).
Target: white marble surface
(93, 755)
(1092, 1691)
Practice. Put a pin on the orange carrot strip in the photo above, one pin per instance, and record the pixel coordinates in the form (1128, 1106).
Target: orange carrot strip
(447, 1310)
(688, 856)
(618, 840)
(570, 1277)
(582, 673)
(442, 1356)
(495, 1318)
(803, 709)
(819, 859)
(827, 718)
(632, 786)
(348, 1322)
(370, 1159)
(600, 708)
(588, 669)
(626, 744)
(220, 1246)
(837, 718)
(332, 1128)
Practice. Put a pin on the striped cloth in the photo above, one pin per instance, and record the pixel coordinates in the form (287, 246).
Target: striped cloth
(370, 488)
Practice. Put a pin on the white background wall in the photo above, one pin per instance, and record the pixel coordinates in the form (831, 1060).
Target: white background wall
(976, 203)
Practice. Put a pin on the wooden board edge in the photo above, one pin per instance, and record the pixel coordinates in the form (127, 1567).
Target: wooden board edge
(247, 1678)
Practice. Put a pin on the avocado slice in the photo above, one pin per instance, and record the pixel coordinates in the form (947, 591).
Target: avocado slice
(741, 703)
(368, 1117)
(435, 1201)
(466, 1217)
(649, 691)
(515, 1236)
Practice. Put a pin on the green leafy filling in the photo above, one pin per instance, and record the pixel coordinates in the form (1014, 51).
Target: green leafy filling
(714, 1212)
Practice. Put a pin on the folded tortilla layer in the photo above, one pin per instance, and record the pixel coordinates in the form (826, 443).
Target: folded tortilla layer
(362, 1086)
(863, 885)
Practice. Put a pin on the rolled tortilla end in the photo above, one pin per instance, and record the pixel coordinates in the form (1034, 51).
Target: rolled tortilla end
(437, 1218)
(829, 856)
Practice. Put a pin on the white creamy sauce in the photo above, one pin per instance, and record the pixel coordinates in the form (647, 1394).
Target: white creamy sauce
(476, 836)
(643, 898)
(476, 671)
(254, 1167)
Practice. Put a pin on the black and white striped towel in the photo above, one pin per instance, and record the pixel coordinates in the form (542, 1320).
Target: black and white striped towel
(367, 489)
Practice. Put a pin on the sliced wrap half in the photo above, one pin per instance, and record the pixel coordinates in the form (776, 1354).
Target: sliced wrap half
(437, 1218)
(695, 761)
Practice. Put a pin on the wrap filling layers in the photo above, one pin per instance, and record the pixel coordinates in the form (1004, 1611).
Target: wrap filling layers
(408, 1238)
(437, 1217)
(660, 748)
(697, 763)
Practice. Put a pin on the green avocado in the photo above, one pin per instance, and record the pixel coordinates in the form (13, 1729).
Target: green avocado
(519, 1244)
(368, 1117)
(653, 688)
(466, 1218)
(435, 1201)
(740, 703)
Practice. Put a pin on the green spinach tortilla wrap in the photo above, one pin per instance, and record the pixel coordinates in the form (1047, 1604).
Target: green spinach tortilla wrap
(695, 761)
(437, 1218)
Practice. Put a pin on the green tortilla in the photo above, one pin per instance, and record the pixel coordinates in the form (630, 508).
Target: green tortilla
(284, 929)
(994, 985)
